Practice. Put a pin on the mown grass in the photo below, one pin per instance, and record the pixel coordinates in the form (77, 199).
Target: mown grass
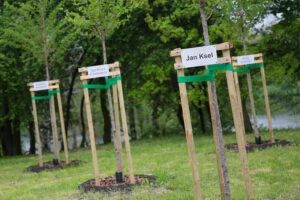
(275, 172)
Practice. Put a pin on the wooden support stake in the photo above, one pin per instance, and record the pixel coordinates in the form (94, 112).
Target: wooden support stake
(252, 104)
(189, 133)
(54, 128)
(267, 104)
(125, 130)
(118, 134)
(239, 100)
(239, 127)
(37, 131)
(91, 131)
(62, 127)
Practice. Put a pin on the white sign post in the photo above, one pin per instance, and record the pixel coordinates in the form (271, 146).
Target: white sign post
(199, 56)
(41, 85)
(98, 71)
(245, 60)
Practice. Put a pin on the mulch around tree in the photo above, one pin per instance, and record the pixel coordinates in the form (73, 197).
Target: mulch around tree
(109, 184)
(47, 166)
(251, 146)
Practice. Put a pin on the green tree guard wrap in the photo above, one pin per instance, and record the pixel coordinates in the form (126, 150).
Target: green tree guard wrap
(50, 94)
(109, 82)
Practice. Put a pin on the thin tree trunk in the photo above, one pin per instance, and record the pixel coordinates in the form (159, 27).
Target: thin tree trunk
(17, 137)
(138, 128)
(250, 91)
(32, 138)
(7, 146)
(219, 144)
(247, 121)
(132, 126)
(180, 116)
(83, 133)
(68, 106)
(155, 124)
(202, 121)
(107, 124)
(112, 126)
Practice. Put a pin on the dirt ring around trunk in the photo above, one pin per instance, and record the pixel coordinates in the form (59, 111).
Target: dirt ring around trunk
(251, 146)
(48, 166)
(109, 184)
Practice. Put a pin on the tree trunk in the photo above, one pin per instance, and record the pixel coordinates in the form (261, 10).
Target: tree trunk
(111, 126)
(202, 121)
(247, 122)
(69, 98)
(219, 144)
(70, 93)
(137, 125)
(155, 124)
(32, 138)
(107, 120)
(132, 126)
(46, 65)
(17, 137)
(7, 144)
(83, 133)
(180, 116)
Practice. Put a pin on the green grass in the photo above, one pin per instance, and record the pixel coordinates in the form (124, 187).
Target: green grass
(275, 172)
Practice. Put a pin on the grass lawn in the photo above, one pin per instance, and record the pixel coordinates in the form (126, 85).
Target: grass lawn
(275, 172)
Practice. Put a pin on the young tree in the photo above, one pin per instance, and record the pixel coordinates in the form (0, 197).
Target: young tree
(101, 18)
(243, 15)
(41, 31)
(215, 114)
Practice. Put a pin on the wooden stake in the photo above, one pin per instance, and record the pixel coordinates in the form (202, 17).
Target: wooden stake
(239, 127)
(62, 126)
(37, 131)
(189, 133)
(54, 128)
(118, 134)
(252, 105)
(239, 100)
(125, 129)
(267, 104)
(91, 131)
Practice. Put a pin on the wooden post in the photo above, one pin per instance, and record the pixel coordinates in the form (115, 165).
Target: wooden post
(125, 130)
(62, 126)
(239, 127)
(54, 128)
(37, 131)
(267, 104)
(239, 100)
(91, 131)
(252, 105)
(189, 133)
(118, 134)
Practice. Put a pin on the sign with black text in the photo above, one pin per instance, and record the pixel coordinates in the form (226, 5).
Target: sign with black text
(41, 85)
(199, 56)
(245, 60)
(98, 71)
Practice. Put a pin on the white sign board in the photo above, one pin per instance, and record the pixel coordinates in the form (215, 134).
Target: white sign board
(199, 56)
(41, 85)
(245, 60)
(98, 71)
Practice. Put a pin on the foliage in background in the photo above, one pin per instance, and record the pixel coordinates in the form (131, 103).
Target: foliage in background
(140, 34)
